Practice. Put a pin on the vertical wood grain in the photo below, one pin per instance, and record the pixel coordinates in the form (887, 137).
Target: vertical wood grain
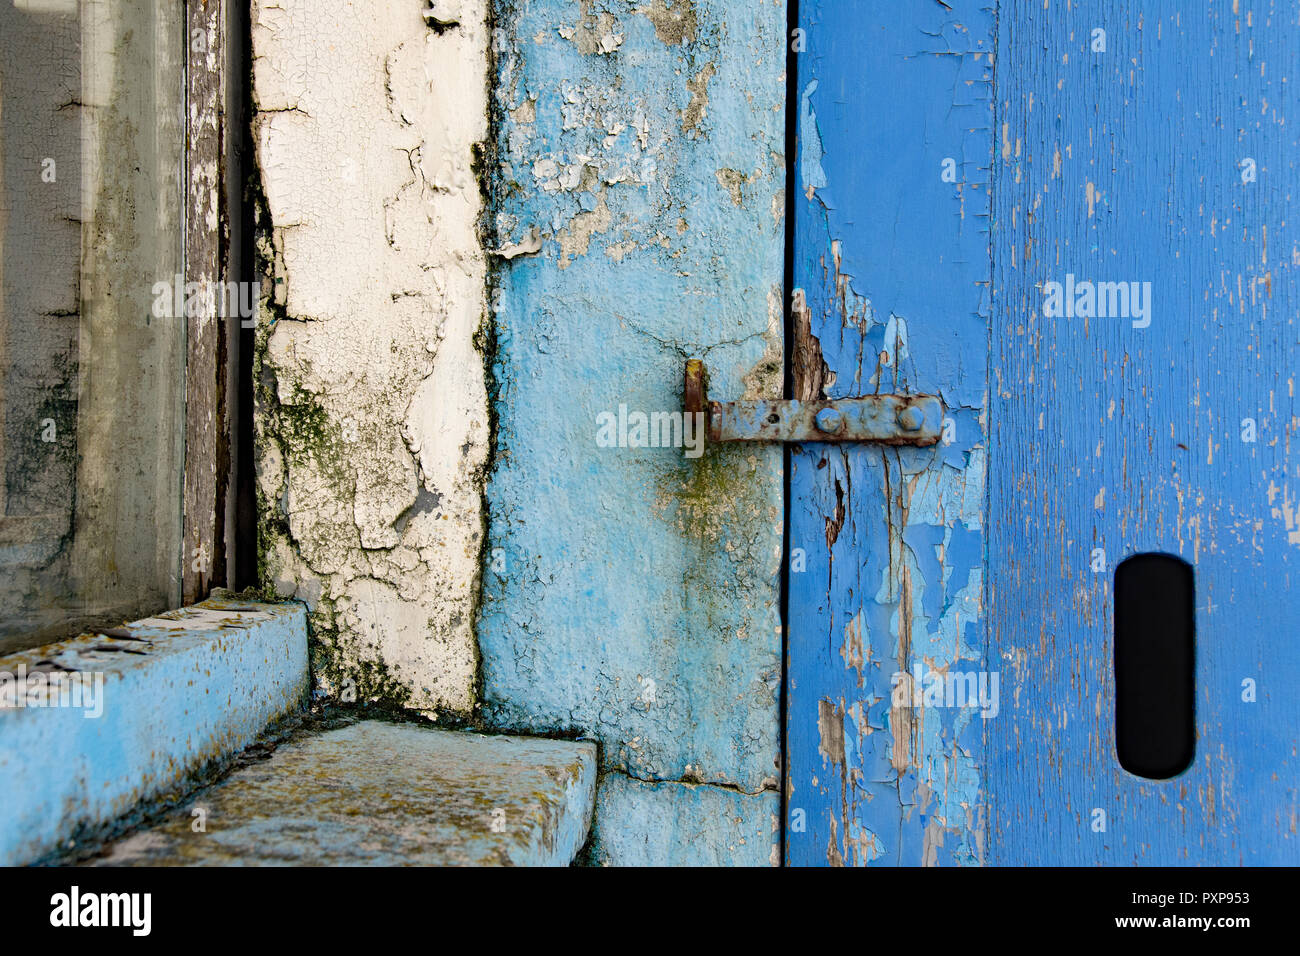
(1158, 153)
(1127, 164)
(886, 544)
(207, 432)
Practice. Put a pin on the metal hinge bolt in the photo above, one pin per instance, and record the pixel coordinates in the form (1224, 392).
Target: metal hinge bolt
(884, 419)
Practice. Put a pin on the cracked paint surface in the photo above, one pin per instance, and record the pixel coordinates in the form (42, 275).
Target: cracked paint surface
(665, 823)
(887, 543)
(636, 204)
(372, 416)
(1130, 165)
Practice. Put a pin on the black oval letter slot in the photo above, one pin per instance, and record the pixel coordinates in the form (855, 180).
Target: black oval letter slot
(1155, 731)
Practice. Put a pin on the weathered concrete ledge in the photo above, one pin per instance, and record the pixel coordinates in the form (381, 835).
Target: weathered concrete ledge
(91, 726)
(669, 823)
(378, 793)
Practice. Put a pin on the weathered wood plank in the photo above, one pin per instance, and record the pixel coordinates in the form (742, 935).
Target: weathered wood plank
(1122, 158)
(886, 544)
(207, 433)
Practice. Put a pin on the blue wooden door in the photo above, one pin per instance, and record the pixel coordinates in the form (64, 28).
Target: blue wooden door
(1074, 223)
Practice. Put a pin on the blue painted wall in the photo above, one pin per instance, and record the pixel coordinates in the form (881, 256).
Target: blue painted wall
(886, 562)
(631, 593)
(1128, 164)
(680, 824)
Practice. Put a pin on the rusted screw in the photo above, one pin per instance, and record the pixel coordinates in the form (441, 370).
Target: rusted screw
(910, 418)
(829, 421)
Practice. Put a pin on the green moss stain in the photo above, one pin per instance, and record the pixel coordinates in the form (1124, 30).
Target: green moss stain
(304, 434)
(347, 670)
(714, 498)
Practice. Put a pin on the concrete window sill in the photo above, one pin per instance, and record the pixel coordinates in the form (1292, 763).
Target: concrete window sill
(91, 727)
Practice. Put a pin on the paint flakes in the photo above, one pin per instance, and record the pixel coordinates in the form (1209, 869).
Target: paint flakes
(674, 24)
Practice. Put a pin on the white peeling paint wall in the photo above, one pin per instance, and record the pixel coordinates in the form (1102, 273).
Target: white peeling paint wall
(372, 418)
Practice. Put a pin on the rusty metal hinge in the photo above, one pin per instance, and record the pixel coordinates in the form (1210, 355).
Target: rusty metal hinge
(883, 419)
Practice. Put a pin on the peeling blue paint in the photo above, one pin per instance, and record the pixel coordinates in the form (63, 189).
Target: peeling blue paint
(1128, 165)
(893, 536)
(1119, 161)
(811, 173)
(635, 598)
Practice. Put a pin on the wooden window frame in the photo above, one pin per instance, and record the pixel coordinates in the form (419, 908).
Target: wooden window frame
(218, 517)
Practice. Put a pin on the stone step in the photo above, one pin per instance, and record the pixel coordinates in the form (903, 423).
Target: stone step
(379, 793)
